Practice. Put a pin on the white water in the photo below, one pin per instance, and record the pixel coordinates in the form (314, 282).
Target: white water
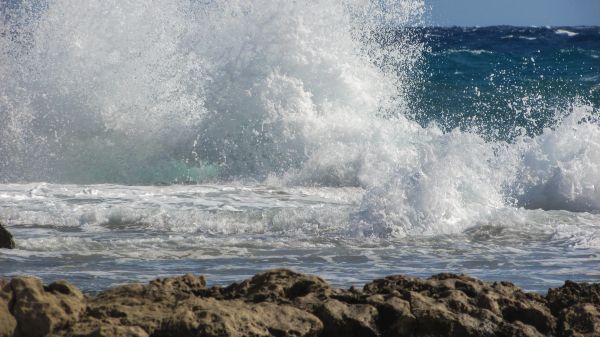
(298, 96)
(99, 235)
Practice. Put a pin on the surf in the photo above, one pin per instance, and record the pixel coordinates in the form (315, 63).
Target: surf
(315, 94)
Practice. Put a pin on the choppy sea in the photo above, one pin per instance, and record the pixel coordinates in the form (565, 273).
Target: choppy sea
(224, 138)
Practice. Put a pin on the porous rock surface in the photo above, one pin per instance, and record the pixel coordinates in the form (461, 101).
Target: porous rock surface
(284, 303)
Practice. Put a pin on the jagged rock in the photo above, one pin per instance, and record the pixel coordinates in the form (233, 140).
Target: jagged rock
(175, 307)
(41, 310)
(457, 305)
(581, 320)
(283, 303)
(105, 330)
(205, 317)
(6, 239)
(209, 317)
(577, 306)
(572, 293)
(341, 319)
(8, 324)
(178, 287)
(276, 285)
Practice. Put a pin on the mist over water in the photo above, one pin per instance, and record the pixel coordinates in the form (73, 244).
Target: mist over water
(311, 122)
(127, 91)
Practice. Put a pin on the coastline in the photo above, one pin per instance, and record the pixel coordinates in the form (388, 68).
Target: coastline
(281, 302)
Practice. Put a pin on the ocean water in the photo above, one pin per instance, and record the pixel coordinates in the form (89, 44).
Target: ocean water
(342, 138)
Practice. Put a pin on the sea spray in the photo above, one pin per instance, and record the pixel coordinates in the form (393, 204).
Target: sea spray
(97, 91)
(285, 93)
(329, 140)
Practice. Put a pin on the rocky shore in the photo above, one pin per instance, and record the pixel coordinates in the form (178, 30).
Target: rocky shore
(284, 303)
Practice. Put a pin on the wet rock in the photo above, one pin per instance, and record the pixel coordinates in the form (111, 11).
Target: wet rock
(283, 303)
(6, 238)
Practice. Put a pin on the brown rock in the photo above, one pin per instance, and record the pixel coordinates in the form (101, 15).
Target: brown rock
(278, 284)
(105, 330)
(577, 306)
(458, 305)
(178, 287)
(341, 319)
(518, 329)
(131, 305)
(581, 320)
(6, 238)
(175, 307)
(572, 293)
(395, 317)
(283, 303)
(8, 324)
(41, 310)
(209, 317)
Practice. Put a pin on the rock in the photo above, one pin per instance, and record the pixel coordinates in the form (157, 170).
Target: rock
(41, 310)
(572, 293)
(577, 306)
(181, 306)
(283, 303)
(6, 239)
(209, 317)
(580, 320)
(277, 285)
(457, 305)
(106, 330)
(8, 324)
(178, 307)
(341, 319)
(178, 287)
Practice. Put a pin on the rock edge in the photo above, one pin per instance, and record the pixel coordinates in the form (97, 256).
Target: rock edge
(285, 303)
(6, 238)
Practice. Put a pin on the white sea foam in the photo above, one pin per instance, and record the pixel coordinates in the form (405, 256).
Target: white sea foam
(476, 52)
(566, 32)
(98, 90)
(286, 93)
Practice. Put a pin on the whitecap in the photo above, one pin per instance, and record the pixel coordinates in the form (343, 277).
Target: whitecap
(566, 32)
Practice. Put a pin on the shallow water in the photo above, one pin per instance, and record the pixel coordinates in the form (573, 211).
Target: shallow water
(100, 235)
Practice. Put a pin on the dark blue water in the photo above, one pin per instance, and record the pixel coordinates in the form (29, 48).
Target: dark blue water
(499, 78)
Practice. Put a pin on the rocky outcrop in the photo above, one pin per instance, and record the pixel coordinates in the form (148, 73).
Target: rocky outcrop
(284, 303)
(39, 310)
(6, 239)
(577, 307)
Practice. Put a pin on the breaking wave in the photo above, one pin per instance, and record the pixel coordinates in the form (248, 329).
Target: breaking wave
(303, 93)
